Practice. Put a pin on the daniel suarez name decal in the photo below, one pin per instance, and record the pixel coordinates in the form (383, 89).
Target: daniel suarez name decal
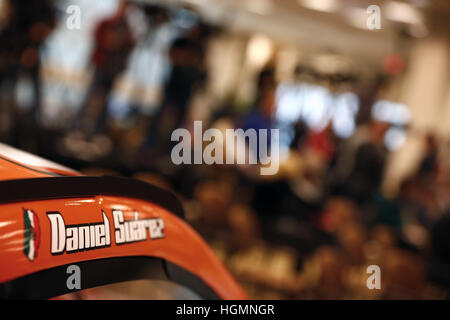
(76, 238)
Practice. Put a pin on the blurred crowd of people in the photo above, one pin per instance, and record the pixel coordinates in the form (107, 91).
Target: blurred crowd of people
(312, 230)
(309, 231)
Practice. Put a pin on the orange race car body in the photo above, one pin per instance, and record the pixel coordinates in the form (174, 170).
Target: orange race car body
(114, 229)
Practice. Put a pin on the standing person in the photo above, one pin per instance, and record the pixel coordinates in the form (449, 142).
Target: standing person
(262, 116)
(361, 162)
(188, 72)
(113, 43)
(149, 62)
(430, 161)
(27, 27)
(187, 56)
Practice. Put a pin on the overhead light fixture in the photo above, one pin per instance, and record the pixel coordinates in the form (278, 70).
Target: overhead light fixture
(259, 50)
(320, 5)
(402, 12)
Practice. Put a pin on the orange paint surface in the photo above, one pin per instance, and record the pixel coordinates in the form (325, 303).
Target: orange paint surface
(180, 245)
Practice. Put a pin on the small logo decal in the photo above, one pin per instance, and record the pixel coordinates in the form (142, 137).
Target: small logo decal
(32, 234)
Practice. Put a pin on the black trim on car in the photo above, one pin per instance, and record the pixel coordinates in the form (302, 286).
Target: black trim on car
(83, 186)
(52, 282)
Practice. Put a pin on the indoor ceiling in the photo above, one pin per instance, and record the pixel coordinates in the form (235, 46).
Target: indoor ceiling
(335, 25)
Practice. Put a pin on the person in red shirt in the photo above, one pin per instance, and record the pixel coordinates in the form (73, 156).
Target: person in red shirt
(113, 44)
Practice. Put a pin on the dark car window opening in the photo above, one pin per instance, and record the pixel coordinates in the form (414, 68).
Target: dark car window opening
(112, 278)
(135, 290)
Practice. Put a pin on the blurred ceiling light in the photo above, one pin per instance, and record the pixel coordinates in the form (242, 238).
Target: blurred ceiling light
(356, 17)
(391, 112)
(402, 12)
(259, 50)
(320, 5)
(395, 138)
(261, 7)
(418, 30)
